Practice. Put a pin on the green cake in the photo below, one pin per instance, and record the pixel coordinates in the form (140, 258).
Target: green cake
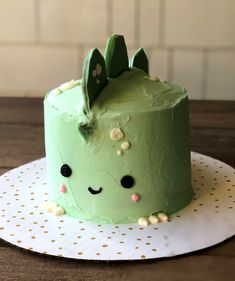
(117, 142)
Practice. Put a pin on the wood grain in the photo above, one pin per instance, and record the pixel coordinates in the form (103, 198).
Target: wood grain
(21, 141)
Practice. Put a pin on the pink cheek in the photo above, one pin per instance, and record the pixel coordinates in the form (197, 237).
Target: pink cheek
(63, 188)
(135, 197)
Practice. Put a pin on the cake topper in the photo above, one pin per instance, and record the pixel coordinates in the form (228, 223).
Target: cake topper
(97, 71)
(116, 56)
(140, 60)
(94, 77)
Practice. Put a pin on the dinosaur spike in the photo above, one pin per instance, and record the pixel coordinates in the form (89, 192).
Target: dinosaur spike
(94, 77)
(140, 60)
(116, 56)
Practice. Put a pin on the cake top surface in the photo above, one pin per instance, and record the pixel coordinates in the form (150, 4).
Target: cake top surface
(133, 90)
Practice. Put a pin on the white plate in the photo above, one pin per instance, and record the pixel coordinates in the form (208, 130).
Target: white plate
(208, 220)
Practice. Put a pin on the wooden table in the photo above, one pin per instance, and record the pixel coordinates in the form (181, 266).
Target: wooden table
(21, 141)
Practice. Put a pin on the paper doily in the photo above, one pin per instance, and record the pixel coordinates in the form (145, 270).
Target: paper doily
(208, 220)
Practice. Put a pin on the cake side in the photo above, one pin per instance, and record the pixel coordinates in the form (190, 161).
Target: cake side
(158, 156)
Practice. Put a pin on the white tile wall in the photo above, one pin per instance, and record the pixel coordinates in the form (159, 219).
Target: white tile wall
(17, 20)
(200, 23)
(187, 71)
(123, 19)
(73, 21)
(35, 70)
(221, 75)
(43, 42)
(158, 64)
(149, 22)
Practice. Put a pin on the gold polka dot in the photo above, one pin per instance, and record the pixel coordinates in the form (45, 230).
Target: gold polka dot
(98, 254)
(30, 248)
(119, 253)
(33, 237)
(12, 234)
(154, 250)
(93, 238)
(18, 241)
(142, 256)
(130, 228)
(80, 253)
(148, 243)
(1, 228)
(52, 241)
(44, 252)
(105, 245)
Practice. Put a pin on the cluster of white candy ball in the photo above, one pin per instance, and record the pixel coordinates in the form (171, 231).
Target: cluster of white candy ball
(161, 217)
(53, 207)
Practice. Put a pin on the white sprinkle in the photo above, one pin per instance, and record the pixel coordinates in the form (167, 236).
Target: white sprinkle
(154, 78)
(58, 211)
(162, 217)
(116, 134)
(98, 68)
(67, 85)
(57, 91)
(51, 207)
(97, 81)
(119, 152)
(125, 145)
(45, 205)
(94, 73)
(154, 219)
(144, 221)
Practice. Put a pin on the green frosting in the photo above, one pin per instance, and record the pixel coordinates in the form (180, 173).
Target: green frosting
(154, 119)
(140, 60)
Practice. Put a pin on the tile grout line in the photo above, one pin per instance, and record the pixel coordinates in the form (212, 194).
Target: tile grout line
(37, 20)
(161, 35)
(204, 74)
(109, 10)
(170, 64)
(137, 22)
(80, 61)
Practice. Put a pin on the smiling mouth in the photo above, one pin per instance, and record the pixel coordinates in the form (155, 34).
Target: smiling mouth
(93, 191)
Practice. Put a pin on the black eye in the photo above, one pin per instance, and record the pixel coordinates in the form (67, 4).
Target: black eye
(127, 181)
(65, 171)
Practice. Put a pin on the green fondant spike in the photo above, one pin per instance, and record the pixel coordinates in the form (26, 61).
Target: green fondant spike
(140, 60)
(94, 77)
(116, 56)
